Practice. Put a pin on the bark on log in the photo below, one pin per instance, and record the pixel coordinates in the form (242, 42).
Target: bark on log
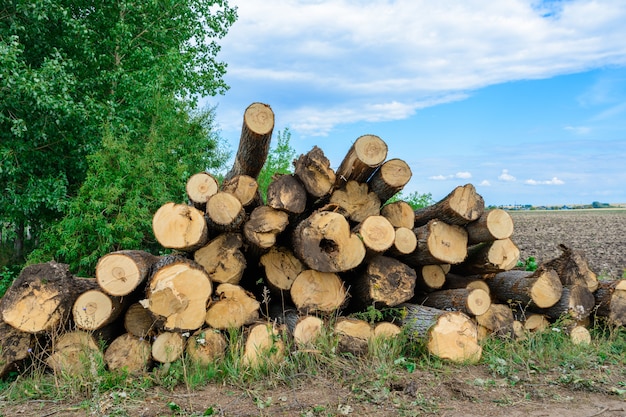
(400, 214)
(390, 178)
(322, 292)
(254, 143)
(128, 352)
(489, 258)
(15, 347)
(263, 345)
(450, 335)
(200, 187)
(139, 322)
(576, 301)
(385, 282)
(353, 335)
(235, 307)
(120, 273)
(540, 288)
(179, 226)
(376, 233)
(472, 302)
(573, 268)
(325, 243)
(206, 346)
(366, 154)
(404, 242)
(438, 243)
(245, 189)
(281, 268)
(73, 353)
(94, 309)
(224, 213)
(466, 281)
(313, 169)
(462, 206)
(494, 224)
(264, 225)
(610, 300)
(356, 201)
(287, 193)
(498, 320)
(168, 347)
(222, 258)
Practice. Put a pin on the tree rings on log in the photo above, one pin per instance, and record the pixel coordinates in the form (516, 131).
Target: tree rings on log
(234, 308)
(168, 347)
(263, 345)
(366, 154)
(492, 225)
(222, 258)
(314, 291)
(179, 226)
(128, 352)
(460, 207)
(120, 273)
(200, 187)
(390, 179)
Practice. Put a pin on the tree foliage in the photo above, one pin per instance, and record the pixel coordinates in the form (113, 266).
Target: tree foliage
(279, 161)
(415, 199)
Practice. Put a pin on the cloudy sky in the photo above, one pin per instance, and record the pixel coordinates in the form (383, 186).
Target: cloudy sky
(524, 99)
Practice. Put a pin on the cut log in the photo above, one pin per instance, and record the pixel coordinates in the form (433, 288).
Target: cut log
(466, 281)
(519, 333)
(400, 214)
(438, 243)
(462, 206)
(15, 347)
(263, 345)
(313, 169)
(206, 346)
(494, 224)
(356, 201)
(224, 213)
(610, 299)
(430, 277)
(404, 242)
(139, 322)
(222, 258)
(179, 226)
(573, 268)
(307, 330)
(168, 347)
(540, 288)
(385, 282)
(472, 302)
(254, 143)
(287, 193)
(390, 178)
(489, 258)
(74, 353)
(498, 320)
(234, 308)
(324, 242)
(353, 335)
(322, 292)
(246, 189)
(366, 154)
(576, 302)
(281, 268)
(536, 323)
(264, 225)
(386, 330)
(178, 292)
(579, 335)
(450, 335)
(128, 352)
(93, 309)
(376, 233)
(200, 187)
(120, 273)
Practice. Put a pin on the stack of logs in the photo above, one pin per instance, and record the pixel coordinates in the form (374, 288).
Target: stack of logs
(324, 244)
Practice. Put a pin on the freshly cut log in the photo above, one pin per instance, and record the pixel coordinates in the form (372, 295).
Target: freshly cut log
(307, 330)
(234, 308)
(325, 243)
(386, 330)
(168, 347)
(73, 353)
(536, 323)
(610, 300)
(385, 282)
(281, 268)
(438, 243)
(366, 154)
(404, 242)
(573, 268)
(222, 258)
(254, 142)
(93, 309)
(519, 333)
(489, 258)
(376, 233)
(400, 214)
(430, 277)
(287, 193)
(224, 213)
(206, 346)
(200, 187)
(314, 291)
(576, 301)
(579, 335)
(494, 224)
(139, 322)
(472, 302)
(246, 189)
(128, 352)
(313, 169)
(462, 206)
(120, 273)
(41, 298)
(356, 201)
(450, 335)
(390, 178)
(263, 345)
(178, 292)
(466, 281)
(264, 225)
(179, 226)
(353, 335)
(541, 288)
(498, 320)
(15, 347)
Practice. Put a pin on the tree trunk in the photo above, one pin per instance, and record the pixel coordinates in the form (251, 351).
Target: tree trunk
(179, 226)
(168, 347)
(224, 213)
(74, 353)
(287, 193)
(120, 273)
(573, 269)
(489, 258)
(281, 268)
(494, 224)
(472, 302)
(400, 214)
(235, 307)
(356, 201)
(222, 258)
(498, 320)
(353, 335)
(15, 347)
(366, 154)
(206, 346)
(322, 292)
(540, 288)
(389, 179)
(139, 322)
(385, 282)
(128, 352)
(576, 301)
(264, 225)
(94, 309)
(376, 233)
(610, 299)
(462, 206)
(254, 143)
(263, 345)
(438, 243)
(313, 169)
(200, 187)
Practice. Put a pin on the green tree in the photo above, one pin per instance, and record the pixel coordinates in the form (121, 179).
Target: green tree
(415, 199)
(279, 161)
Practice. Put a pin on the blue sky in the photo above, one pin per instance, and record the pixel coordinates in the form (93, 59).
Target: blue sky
(524, 99)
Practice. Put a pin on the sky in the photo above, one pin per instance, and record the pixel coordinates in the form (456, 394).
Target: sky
(526, 100)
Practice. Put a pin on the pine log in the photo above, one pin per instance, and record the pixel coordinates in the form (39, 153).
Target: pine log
(610, 300)
(353, 335)
(139, 322)
(498, 320)
(200, 187)
(224, 213)
(466, 281)
(287, 193)
(400, 214)
(128, 352)
(366, 154)
(254, 143)
(313, 169)
(15, 347)
(325, 243)
(404, 242)
(573, 268)
(450, 335)
(234, 308)
(206, 346)
(438, 243)
(494, 224)
(179, 226)
(222, 258)
(263, 345)
(264, 225)
(245, 189)
(178, 292)
(281, 268)
(355, 199)
(390, 178)
(168, 347)
(385, 282)
(94, 309)
(576, 302)
(462, 206)
(472, 302)
(489, 258)
(430, 277)
(376, 233)
(540, 288)
(120, 273)
(314, 291)
(74, 353)
(307, 330)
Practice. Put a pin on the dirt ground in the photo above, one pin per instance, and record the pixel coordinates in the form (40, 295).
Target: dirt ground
(463, 391)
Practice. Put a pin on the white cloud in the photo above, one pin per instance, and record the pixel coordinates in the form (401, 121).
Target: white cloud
(505, 176)
(439, 177)
(578, 130)
(463, 175)
(553, 181)
(485, 183)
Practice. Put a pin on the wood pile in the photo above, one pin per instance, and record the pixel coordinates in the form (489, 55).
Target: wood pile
(326, 243)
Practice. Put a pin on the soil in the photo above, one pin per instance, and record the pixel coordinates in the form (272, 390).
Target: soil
(454, 391)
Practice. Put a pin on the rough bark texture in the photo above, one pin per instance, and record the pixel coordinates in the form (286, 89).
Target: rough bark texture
(366, 154)
(462, 206)
(139, 322)
(498, 320)
(610, 299)
(313, 169)
(390, 179)
(245, 189)
(540, 288)
(573, 269)
(15, 347)
(356, 201)
(576, 302)
(281, 268)
(385, 282)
